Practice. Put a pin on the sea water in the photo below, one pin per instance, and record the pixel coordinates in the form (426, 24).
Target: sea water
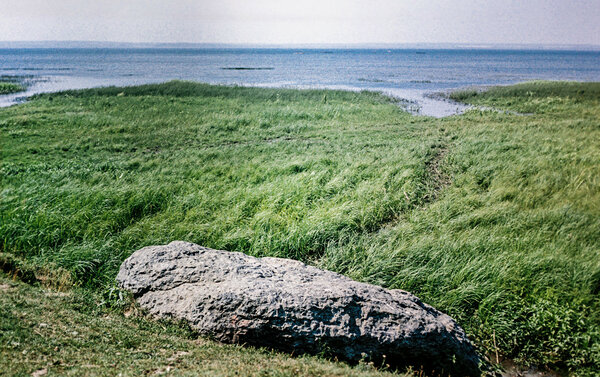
(410, 74)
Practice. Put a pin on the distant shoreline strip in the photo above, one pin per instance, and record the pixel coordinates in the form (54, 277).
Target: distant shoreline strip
(248, 68)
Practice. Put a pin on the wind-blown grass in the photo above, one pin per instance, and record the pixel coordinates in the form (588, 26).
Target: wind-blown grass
(267, 172)
(512, 247)
(490, 217)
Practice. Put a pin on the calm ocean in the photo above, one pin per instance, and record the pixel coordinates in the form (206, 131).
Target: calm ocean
(411, 74)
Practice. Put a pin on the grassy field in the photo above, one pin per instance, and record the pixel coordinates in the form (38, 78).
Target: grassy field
(493, 218)
(7, 88)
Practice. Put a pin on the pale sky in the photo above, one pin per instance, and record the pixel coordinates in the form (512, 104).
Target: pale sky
(297, 21)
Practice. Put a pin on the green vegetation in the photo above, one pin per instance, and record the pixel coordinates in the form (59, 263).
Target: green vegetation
(491, 217)
(527, 92)
(67, 334)
(8, 87)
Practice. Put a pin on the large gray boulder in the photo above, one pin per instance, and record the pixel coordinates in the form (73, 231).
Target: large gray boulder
(287, 305)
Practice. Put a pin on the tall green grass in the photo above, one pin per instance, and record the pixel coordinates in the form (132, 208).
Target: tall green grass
(91, 177)
(490, 217)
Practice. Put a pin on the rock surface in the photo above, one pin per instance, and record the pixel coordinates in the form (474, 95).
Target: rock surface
(287, 305)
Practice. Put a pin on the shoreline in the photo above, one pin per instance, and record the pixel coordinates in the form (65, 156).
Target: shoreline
(417, 102)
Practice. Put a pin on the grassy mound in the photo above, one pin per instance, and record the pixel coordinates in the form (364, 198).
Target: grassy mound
(583, 91)
(7, 88)
(490, 217)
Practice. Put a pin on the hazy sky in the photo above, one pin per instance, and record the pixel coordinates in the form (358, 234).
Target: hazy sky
(297, 21)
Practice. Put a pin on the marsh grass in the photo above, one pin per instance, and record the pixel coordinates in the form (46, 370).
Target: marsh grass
(490, 217)
(8, 87)
(281, 173)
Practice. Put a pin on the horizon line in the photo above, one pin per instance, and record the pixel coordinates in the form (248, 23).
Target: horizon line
(337, 45)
